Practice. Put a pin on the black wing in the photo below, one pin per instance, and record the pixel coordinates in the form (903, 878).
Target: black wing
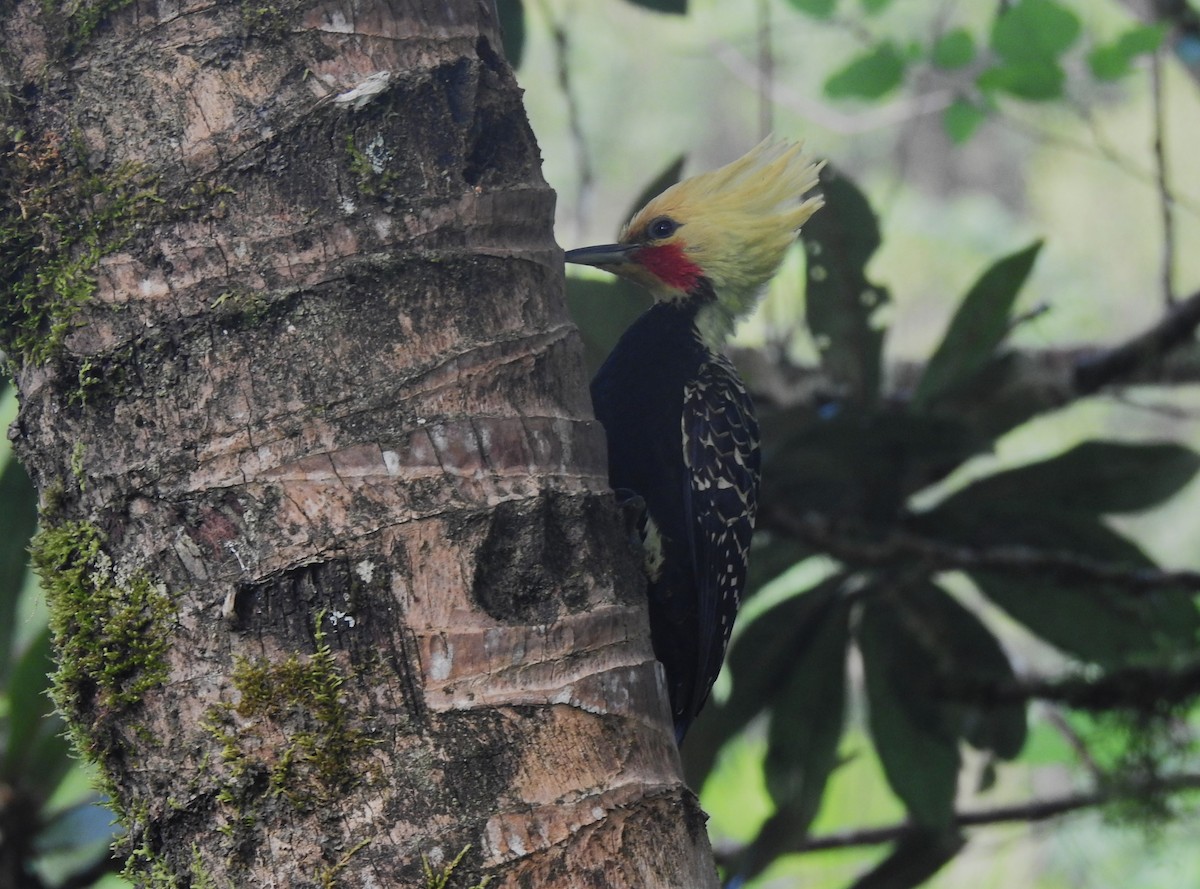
(720, 449)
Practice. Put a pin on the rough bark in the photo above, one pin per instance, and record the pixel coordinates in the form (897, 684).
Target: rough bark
(337, 586)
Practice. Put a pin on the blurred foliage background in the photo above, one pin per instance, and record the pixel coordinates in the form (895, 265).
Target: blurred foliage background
(970, 656)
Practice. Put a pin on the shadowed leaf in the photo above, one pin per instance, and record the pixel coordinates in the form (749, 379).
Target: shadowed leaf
(1095, 477)
(841, 304)
(603, 310)
(805, 727)
(977, 328)
(916, 741)
(674, 7)
(916, 858)
(18, 519)
(664, 180)
(761, 661)
(512, 29)
(965, 650)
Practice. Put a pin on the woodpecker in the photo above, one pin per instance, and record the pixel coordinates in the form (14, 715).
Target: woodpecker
(681, 430)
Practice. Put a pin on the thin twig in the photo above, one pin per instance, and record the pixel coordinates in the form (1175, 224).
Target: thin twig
(766, 71)
(1175, 328)
(1053, 715)
(1160, 176)
(1099, 147)
(893, 113)
(574, 126)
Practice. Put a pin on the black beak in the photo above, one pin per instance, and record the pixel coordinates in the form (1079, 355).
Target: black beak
(602, 255)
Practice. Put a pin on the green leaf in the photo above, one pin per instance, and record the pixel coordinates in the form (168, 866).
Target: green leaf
(18, 519)
(965, 650)
(849, 461)
(673, 7)
(916, 857)
(962, 119)
(512, 29)
(1102, 624)
(1029, 37)
(807, 719)
(954, 49)
(818, 9)
(916, 743)
(760, 663)
(841, 302)
(764, 653)
(1111, 61)
(977, 328)
(874, 7)
(1037, 80)
(664, 180)
(603, 310)
(36, 753)
(770, 556)
(869, 76)
(1095, 477)
(803, 734)
(1094, 620)
(1034, 31)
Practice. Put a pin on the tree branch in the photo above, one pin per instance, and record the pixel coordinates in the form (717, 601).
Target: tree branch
(1176, 327)
(818, 531)
(1033, 811)
(1163, 187)
(1045, 379)
(1138, 688)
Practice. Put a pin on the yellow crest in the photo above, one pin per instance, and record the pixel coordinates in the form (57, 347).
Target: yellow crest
(736, 222)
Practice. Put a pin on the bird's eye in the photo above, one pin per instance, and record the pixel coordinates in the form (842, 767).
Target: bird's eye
(660, 228)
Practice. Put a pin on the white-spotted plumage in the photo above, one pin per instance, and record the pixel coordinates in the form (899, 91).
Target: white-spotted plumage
(721, 456)
(704, 248)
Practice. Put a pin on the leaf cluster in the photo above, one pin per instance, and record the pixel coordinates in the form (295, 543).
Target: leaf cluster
(843, 476)
(1024, 54)
(48, 827)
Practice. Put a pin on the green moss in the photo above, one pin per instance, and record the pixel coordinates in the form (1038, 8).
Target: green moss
(57, 221)
(250, 305)
(77, 455)
(146, 869)
(80, 19)
(327, 877)
(111, 630)
(266, 20)
(369, 164)
(299, 699)
(441, 879)
(201, 878)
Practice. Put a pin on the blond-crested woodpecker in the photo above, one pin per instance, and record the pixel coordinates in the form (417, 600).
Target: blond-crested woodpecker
(680, 425)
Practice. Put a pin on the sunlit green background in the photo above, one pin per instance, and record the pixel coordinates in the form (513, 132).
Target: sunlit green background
(646, 87)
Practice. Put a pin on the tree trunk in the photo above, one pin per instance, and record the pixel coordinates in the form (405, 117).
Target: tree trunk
(339, 594)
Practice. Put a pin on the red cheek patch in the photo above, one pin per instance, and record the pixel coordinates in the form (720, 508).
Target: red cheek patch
(669, 264)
